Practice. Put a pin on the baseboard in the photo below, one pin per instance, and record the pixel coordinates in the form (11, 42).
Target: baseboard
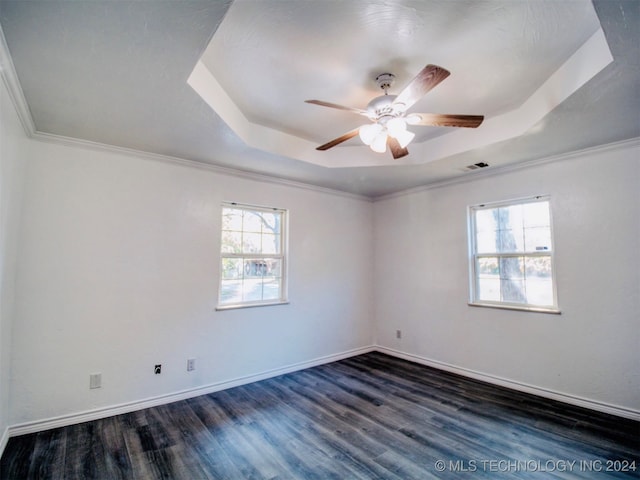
(514, 385)
(3, 440)
(96, 414)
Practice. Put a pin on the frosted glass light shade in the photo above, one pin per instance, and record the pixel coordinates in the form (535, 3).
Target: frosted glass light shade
(396, 126)
(369, 132)
(379, 143)
(404, 138)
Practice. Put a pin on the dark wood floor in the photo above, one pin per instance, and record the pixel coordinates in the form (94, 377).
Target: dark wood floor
(371, 416)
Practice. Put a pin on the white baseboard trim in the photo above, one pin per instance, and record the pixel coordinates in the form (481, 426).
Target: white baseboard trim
(96, 414)
(99, 413)
(3, 440)
(514, 385)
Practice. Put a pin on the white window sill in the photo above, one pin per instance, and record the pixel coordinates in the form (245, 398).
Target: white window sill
(235, 306)
(553, 311)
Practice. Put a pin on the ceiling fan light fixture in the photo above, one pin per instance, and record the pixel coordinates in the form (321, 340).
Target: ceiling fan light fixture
(396, 126)
(379, 144)
(404, 137)
(369, 132)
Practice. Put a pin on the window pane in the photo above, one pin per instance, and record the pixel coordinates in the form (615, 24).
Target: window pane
(270, 243)
(537, 239)
(538, 267)
(509, 218)
(511, 267)
(231, 268)
(512, 279)
(255, 267)
(539, 280)
(485, 221)
(512, 290)
(271, 222)
(252, 221)
(231, 291)
(271, 288)
(536, 214)
(486, 241)
(231, 219)
(510, 241)
(540, 291)
(252, 289)
(488, 266)
(231, 242)
(510, 230)
(488, 278)
(274, 268)
(489, 288)
(252, 243)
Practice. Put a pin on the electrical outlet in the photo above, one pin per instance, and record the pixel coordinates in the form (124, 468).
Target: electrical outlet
(157, 369)
(398, 333)
(95, 380)
(191, 364)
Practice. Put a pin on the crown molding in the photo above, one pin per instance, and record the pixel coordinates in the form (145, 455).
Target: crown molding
(10, 79)
(228, 171)
(12, 83)
(476, 175)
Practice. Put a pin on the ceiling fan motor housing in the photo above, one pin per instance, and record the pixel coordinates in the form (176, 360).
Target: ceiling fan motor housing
(381, 106)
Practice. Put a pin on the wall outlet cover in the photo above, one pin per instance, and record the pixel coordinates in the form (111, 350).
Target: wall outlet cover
(191, 364)
(95, 380)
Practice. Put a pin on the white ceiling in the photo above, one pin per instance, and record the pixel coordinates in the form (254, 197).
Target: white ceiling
(117, 73)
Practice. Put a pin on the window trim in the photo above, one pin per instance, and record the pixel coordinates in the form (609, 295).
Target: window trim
(283, 257)
(473, 257)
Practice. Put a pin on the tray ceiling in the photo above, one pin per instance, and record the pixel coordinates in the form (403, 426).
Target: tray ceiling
(223, 83)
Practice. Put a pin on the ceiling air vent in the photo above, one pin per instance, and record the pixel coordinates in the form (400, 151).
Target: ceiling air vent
(475, 166)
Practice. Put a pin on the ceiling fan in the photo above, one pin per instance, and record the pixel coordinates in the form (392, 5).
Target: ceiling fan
(390, 117)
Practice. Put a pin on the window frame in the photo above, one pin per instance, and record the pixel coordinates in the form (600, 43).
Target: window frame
(474, 289)
(282, 257)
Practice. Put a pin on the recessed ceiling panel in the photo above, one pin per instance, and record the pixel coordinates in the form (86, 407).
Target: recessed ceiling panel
(104, 73)
(269, 60)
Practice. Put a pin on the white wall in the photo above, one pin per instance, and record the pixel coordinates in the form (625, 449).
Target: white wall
(119, 271)
(592, 350)
(13, 143)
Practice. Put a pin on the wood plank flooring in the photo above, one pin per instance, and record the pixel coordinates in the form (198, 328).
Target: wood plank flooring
(370, 416)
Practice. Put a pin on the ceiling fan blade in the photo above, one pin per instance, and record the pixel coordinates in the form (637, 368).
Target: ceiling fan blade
(396, 150)
(339, 140)
(428, 78)
(442, 120)
(340, 107)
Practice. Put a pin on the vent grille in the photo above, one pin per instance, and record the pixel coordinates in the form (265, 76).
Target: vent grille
(475, 166)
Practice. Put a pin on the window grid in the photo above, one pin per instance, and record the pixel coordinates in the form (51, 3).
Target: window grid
(511, 255)
(253, 256)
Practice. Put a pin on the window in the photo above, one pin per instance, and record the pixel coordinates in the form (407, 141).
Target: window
(253, 256)
(511, 261)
